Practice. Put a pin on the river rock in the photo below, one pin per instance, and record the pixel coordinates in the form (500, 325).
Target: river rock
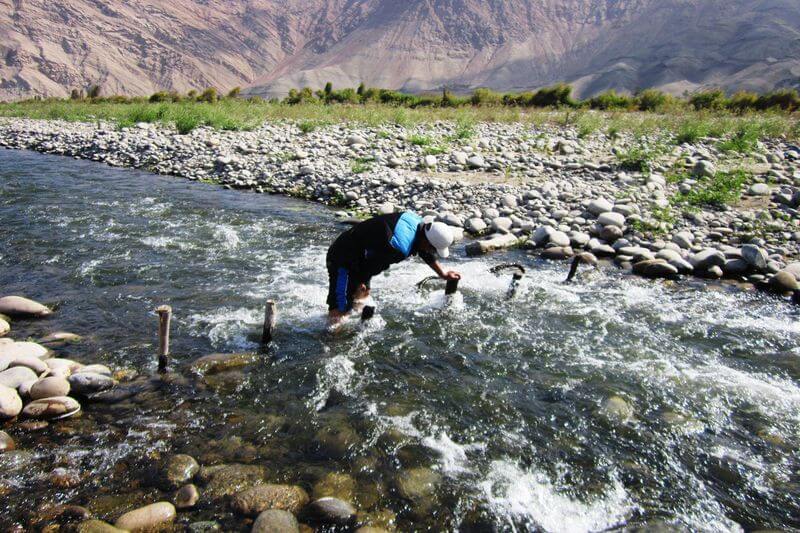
(50, 408)
(558, 253)
(60, 337)
(654, 268)
(616, 410)
(178, 470)
(759, 189)
(206, 526)
(259, 498)
(90, 382)
(736, 268)
(97, 526)
(224, 480)
(221, 362)
(704, 169)
(599, 206)
(49, 388)
(23, 349)
(329, 512)
(684, 239)
(95, 369)
(335, 485)
(611, 233)
(502, 225)
(34, 363)
(755, 256)
(6, 442)
(781, 282)
(62, 367)
(475, 225)
(611, 219)
(5, 327)
(417, 484)
(490, 244)
(707, 258)
(10, 402)
(186, 497)
(793, 269)
(16, 376)
(148, 518)
(19, 307)
(276, 521)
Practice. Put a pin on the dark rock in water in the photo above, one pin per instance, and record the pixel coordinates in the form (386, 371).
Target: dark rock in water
(17, 306)
(186, 497)
(418, 484)
(14, 460)
(204, 527)
(783, 282)
(63, 514)
(220, 362)
(90, 382)
(178, 470)
(123, 392)
(6, 442)
(336, 441)
(655, 268)
(276, 521)
(335, 485)
(224, 480)
(259, 498)
(329, 512)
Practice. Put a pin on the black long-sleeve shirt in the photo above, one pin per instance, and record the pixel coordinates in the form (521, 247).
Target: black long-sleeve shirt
(374, 245)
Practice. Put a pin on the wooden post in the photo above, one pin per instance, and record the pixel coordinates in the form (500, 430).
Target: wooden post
(452, 287)
(270, 319)
(367, 313)
(164, 317)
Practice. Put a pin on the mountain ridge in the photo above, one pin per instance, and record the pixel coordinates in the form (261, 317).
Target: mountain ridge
(269, 46)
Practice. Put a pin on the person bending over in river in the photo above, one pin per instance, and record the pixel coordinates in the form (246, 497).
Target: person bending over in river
(371, 247)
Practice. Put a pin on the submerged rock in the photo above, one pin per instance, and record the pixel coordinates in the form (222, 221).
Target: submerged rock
(259, 498)
(224, 480)
(186, 497)
(60, 337)
(6, 442)
(275, 521)
(178, 470)
(221, 362)
(10, 402)
(655, 268)
(335, 485)
(97, 526)
(95, 369)
(418, 484)
(329, 512)
(18, 306)
(147, 518)
(616, 410)
(50, 408)
(89, 382)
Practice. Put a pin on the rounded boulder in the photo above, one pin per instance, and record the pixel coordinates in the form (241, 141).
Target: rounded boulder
(16, 376)
(49, 388)
(257, 499)
(10, 402)
(147, 518)
(50, 408)
(276, 521)
(90, 382)
(23, 349)
(18, 306)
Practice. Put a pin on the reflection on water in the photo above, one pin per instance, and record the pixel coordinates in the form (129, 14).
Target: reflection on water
(500, 404)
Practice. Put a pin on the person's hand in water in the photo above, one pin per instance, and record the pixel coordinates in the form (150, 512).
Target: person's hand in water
(451, 274)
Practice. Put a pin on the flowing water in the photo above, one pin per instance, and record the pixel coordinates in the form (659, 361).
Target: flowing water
(499, 405)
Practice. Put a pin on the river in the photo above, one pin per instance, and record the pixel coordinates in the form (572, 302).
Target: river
(502, 406)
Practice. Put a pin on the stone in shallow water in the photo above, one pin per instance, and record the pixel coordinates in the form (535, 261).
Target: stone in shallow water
(97, 526)
(221, 362)
(50, 408)
(95, 369)
(259, 498)
(147, 518)
(224, 480)
(90, 382)
(616, 410)
(417, 484)
(49, 388)
(335, 485)
(177, 470)
(781, 282)
(276, 521)
(60, 337)
(186, 497)
(329, 512)
(18, 306)
(6, 442)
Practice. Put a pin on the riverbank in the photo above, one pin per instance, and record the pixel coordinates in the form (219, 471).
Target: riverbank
(713, 207)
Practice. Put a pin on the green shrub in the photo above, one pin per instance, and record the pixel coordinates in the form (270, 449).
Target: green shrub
(723, 188)
(209, 96)
(743, 101)
(94, 91)
(653, 100)
(691, 130)
(639, 157)
(744, 141)
(713, 99)
(612, 100)
(419, 140)
(235, 92)
(784, 99)
(307, 126)
(485, 97)
(556, 96)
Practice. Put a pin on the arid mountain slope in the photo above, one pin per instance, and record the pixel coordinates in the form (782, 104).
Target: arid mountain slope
(140, 46)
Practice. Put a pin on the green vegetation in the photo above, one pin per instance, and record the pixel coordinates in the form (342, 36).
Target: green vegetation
(640, 157)
(735, 119)
(724, 188)
(361, 165)
(419, 140)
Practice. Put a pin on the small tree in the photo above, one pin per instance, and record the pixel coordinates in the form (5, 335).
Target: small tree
(75, 94)
(361, 89)
(234, 93)
(209, 96)
(192, 95)
(328, 89)
(94, 91)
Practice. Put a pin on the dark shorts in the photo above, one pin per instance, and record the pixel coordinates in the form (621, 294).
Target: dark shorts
(342, 285)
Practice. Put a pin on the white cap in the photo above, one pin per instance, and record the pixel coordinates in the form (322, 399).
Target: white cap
(440, 236)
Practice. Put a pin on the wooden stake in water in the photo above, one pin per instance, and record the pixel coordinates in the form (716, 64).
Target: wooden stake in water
(270, 319)
(452, 287)
(367, 313)
(164, 318)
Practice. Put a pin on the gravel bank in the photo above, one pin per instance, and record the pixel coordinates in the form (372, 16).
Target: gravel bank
(546, 187)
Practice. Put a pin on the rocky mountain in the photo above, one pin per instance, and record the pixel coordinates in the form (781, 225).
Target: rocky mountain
(269, 46)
